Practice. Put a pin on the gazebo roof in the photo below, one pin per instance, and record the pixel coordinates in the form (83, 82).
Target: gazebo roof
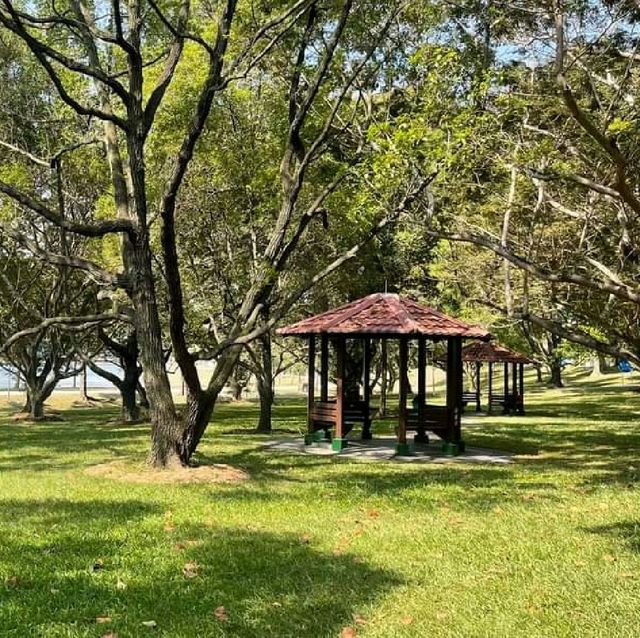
(384, 314)
(492, 353)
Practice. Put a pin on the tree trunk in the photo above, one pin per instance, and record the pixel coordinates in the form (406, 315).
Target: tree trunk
(264, 382)
(599, 365)
(83, 386)
(539, 374)
(167, 432)
(236, 388)
(265, 392)
(36, 397)
(35, 405)
(130, 407)
(556, 374)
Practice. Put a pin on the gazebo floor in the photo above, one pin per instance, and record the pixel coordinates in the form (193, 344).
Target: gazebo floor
(384, 449)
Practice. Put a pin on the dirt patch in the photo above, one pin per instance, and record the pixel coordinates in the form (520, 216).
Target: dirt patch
(120, 471)
(22, 417)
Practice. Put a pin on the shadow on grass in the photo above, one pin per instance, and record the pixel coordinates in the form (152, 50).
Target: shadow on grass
(269, 584)
(628, 531)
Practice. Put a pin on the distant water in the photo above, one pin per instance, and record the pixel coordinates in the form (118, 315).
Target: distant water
(8, 378)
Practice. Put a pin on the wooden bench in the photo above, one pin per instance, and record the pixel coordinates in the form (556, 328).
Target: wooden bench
(470, 397)
(435, 418)
(513, 403)
(324, 413)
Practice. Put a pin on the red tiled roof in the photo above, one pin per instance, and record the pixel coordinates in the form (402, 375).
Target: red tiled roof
(384, 314)
(494, 353)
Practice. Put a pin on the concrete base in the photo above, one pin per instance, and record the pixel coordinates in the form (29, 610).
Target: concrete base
(449, 448)
(384, 449)
(337, 445)
(403, 449)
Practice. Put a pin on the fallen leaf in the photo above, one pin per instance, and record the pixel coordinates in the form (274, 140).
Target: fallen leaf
(609, 558)
(54, 591)
(179, 547)
(191, 569)
(98, 565)
(406, 620)
(441, 615)
(151, 624)
(12, 581)
(275, 603)
(169, 527)
(305, 539)
(110, 635)
(121, 585)
(358, 619)
(103, 620)
(221, 613)
(373, 514)
(348, 632)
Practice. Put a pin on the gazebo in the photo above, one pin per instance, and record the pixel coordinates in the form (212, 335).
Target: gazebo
(511, 399)
(383, 316)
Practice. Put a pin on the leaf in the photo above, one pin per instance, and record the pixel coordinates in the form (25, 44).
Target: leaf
(191, 569)
(151, 624)
(406, 620)
(121, 585)
(348, 632)
(358, 619)
(373, 514)
(103, 620)
(221, 613)
(110, 635)
(12, 581)
(305, 539)
(98, 565)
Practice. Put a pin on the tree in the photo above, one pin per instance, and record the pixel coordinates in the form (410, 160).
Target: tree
(106, 68)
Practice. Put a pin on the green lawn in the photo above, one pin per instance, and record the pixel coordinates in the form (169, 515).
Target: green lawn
(310, 546)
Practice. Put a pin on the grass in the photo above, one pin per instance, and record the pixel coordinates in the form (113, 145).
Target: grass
(309, 546)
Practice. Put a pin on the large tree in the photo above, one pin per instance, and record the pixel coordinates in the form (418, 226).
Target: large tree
(112, 65)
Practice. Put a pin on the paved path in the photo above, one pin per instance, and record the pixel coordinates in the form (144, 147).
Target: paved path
(383, 449)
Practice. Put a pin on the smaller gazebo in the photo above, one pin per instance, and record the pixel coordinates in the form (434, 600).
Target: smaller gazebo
(383, 316)
(511, 399)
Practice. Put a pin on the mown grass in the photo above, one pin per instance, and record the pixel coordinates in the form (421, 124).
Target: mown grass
(547, 546)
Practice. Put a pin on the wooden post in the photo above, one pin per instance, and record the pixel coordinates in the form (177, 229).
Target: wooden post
(324, 368)
(311, 388)
(339, 442)
(454, 394)
(477, 386)
(421, 436)
(366, 389)
(402, 448)
(506, 388)
(514, 377)
(490, 388)
(521, 371)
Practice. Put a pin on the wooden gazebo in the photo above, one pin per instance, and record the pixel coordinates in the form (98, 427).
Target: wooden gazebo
(511, 399)
(383, 316)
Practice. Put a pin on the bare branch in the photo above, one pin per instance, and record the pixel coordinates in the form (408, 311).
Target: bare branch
(95, 229)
